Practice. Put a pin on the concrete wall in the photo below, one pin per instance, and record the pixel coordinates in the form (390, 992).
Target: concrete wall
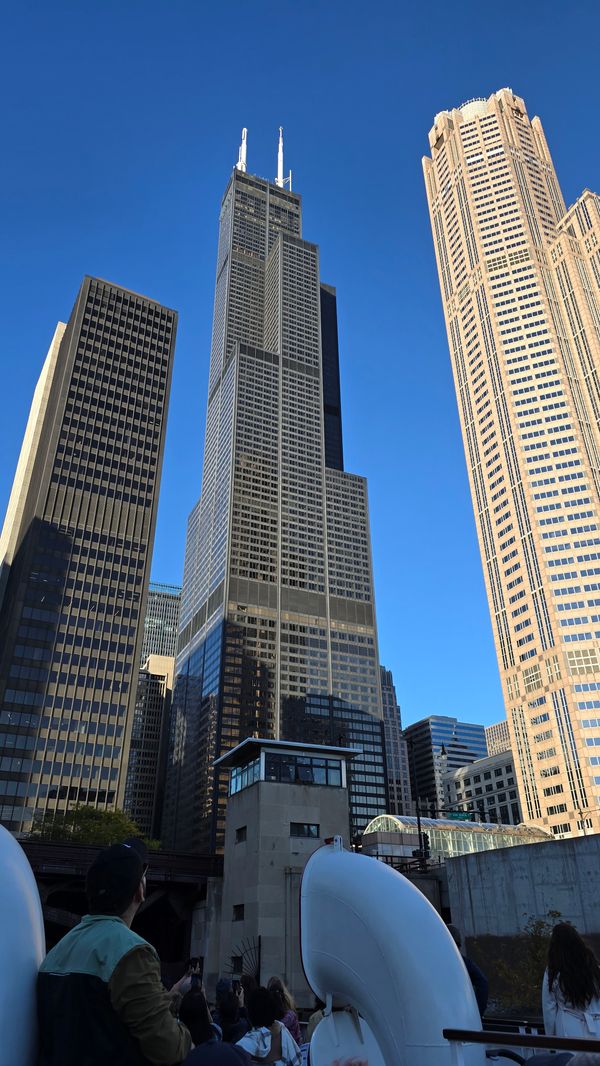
(495, 893)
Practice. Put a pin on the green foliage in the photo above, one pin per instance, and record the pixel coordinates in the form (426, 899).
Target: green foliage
(522, 976)
(86, 825)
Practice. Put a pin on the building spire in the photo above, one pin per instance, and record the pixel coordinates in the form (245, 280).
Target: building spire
(279, 178)
(241, 163)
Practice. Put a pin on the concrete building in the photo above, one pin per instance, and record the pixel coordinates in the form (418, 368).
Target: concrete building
(277, 597)
(520, 278)
(395, 749)
(497, 737)
(436, 745)
(486, 786)
(161, 623)
(394, 839)
(145, 783)
(285, 800)
(75, 555)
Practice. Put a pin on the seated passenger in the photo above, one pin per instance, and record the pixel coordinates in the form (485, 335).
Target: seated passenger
(268, 1040)
(571, 986)
(100, 997)
(478, 978)
(196, 1016)
(287, 1007)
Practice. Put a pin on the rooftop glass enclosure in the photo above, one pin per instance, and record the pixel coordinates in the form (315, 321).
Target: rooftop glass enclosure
(449, 838)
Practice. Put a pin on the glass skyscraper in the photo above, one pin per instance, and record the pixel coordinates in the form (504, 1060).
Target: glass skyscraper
(162, 621)
(436, 745)
(277, 596)
(75, 555)
(520, 283)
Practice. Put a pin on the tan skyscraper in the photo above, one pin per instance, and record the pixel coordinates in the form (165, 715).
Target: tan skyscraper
(520, 281)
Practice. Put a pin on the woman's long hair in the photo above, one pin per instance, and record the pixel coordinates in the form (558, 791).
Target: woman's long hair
(573, 965)
(194, 1013)
(281, 993)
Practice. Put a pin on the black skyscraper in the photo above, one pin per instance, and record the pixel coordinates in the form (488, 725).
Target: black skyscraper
(76, 549)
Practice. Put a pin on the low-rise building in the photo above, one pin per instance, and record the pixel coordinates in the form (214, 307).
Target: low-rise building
(285, 800)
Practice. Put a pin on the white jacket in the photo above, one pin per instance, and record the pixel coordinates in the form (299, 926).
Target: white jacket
(258, 1044)
(562, 1019)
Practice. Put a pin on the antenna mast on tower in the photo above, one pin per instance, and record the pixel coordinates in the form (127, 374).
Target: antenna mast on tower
(241, 163)
(279, 178)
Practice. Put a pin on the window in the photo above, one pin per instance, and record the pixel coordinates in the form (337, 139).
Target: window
(308, 830)
(238, 912)
(240, 834)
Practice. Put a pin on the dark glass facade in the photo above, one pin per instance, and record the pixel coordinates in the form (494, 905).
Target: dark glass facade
(321, 719)
(332, 400)
(144, 789)
(436, 745)
(161, 623)
(77, 542)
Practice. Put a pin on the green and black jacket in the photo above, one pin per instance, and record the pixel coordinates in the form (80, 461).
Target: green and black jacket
(101, 1001)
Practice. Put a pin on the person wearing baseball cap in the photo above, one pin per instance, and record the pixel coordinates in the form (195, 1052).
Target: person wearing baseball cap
(100, 997)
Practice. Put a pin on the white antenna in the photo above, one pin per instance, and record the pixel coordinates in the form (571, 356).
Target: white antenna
(279, 178)
(241, 163)
(289, 180)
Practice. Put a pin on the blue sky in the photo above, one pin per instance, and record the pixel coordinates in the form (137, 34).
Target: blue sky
(121, 121)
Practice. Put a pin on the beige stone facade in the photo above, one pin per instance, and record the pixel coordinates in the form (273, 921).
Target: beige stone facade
(520, 282)
(497, 737)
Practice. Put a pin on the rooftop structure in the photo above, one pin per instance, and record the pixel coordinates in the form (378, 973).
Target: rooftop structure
(389, 837)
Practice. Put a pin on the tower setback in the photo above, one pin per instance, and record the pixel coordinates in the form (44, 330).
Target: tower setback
(277, 600)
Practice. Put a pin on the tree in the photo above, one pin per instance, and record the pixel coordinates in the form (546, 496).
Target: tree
(522, 975)
(86, 825)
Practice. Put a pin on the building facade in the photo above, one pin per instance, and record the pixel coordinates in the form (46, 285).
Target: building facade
(497, 737)
(161, 623)
(520, 279)
(395, 749)
(487, 787)
(277, 596)
(145, 782)
(75, 551)
(435, 745)
(321, 719)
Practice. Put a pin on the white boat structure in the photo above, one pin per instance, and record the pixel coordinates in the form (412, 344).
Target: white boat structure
(22, 948)
(372, 944)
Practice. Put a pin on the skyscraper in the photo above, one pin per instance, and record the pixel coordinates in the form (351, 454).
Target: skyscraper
(145, 782)
(277, 596)
(161, 622)
(75, 554)
(436, 745)
(396, 751)
(497, 737)
(520, 280)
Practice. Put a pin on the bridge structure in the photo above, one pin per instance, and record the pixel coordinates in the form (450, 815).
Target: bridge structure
(175, 881)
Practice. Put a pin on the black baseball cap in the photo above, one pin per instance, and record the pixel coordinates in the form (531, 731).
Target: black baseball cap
(114, 876)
